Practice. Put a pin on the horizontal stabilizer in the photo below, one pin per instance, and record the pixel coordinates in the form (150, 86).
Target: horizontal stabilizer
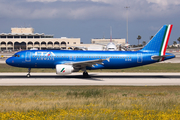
(159, 57)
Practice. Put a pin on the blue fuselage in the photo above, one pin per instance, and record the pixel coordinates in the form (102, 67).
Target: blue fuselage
(50, 58)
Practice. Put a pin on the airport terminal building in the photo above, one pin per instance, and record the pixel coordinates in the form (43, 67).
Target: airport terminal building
(25, 39)
(106, 41)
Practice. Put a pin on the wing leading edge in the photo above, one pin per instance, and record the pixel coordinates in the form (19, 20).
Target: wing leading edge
(83, 64)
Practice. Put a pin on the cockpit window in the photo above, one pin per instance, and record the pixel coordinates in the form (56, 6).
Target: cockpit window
(16, 55)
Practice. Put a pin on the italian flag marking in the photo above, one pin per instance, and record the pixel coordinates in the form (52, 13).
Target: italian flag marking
(165, 41)
(63, 70)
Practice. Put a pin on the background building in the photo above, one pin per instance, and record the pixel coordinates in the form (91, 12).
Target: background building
(25, 38)
(106, 41)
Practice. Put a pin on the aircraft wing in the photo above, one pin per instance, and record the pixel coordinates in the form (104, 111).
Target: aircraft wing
(89, 63)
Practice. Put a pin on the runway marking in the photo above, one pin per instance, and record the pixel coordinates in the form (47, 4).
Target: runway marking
(51, 79)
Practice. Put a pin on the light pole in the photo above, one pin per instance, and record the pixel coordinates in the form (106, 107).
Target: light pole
(127, 7)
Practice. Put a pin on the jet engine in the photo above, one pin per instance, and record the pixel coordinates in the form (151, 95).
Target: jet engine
(64, 69)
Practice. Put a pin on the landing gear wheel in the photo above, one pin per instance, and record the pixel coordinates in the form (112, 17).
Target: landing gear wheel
(29, 71)
(85, 74)
(28, 75)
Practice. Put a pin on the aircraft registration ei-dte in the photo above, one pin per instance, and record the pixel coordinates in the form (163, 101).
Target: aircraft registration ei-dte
(66, 62)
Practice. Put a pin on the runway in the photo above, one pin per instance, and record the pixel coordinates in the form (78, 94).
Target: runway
(124, 79)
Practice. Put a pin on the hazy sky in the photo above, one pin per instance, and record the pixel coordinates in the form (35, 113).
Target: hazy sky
(87, 19)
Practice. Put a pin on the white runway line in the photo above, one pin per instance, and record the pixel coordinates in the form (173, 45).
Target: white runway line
(48, 79)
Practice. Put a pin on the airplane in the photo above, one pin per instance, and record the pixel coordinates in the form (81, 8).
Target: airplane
(111, 46)
(66, 61)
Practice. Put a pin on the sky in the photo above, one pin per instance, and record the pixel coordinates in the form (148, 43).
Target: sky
(88, 19)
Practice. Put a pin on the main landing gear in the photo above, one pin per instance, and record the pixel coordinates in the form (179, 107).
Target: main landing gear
(85, 74)
(29, 71)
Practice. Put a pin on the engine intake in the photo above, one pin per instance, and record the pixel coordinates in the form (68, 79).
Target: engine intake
(64, 69)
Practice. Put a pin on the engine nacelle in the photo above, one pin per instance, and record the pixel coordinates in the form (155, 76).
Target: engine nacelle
(64, 69)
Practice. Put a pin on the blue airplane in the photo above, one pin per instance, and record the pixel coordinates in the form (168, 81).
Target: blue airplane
(66, 62)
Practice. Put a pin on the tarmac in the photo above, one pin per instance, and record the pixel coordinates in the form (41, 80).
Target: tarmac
(99, 79)
(123, 79)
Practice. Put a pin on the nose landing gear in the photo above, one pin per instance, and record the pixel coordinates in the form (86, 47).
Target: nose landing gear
(29, 71)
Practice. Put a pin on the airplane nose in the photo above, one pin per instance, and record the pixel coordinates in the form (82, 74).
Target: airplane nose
(9, 61)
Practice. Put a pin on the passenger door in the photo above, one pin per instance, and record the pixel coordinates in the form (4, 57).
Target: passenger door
(139, 58)
(28, 57)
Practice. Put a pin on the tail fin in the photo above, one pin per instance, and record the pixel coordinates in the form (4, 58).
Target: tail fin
(160, 41)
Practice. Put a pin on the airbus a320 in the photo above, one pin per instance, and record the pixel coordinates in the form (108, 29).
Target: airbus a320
(66, 62)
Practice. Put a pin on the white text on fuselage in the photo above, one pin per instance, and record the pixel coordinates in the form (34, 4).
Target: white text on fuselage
(44, 55)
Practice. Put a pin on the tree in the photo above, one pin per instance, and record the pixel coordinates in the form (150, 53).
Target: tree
(138, 38)
(144, 43)
(178, 40)
(174, 43)
(151, 37)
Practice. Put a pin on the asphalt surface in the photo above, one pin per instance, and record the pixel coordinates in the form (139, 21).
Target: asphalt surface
(125, 79)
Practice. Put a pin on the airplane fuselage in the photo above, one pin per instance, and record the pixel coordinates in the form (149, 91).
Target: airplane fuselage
(50, 58)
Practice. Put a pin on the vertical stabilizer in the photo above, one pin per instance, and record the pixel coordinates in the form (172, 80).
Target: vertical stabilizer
(110, 34)
(160, 41)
